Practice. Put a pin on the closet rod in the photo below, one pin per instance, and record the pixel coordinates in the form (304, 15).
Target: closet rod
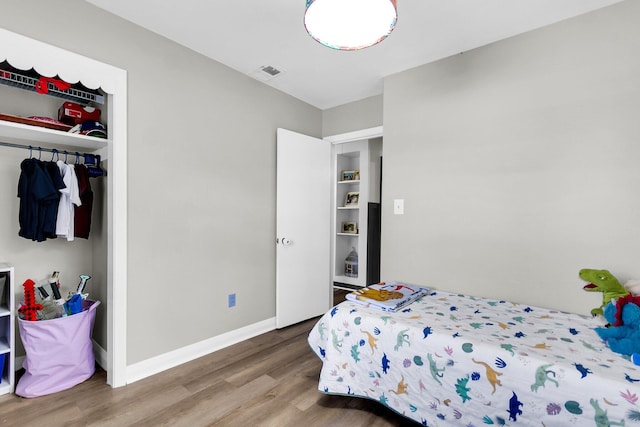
(40, 149)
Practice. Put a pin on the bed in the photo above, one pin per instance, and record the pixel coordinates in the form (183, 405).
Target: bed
(459, 360)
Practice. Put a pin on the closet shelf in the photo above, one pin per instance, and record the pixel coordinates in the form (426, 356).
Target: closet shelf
(38, 136)
(22, 81)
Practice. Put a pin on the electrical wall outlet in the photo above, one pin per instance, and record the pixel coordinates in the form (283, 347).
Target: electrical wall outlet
(232, 300)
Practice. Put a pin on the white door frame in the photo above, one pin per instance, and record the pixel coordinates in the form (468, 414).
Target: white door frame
(25, 52)
(357, 135)
(343, 138)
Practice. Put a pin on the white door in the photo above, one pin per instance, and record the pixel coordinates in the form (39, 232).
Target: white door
(303, 208)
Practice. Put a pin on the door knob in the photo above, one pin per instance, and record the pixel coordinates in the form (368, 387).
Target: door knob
(284, 241)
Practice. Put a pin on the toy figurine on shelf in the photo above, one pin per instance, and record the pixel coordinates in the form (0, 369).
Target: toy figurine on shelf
(29, 308)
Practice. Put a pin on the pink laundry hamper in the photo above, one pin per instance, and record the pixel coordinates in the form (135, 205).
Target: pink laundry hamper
(59, 352)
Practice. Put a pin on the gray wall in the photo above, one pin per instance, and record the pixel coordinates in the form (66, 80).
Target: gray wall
(518, 163)
(201, 177)
(358, 115)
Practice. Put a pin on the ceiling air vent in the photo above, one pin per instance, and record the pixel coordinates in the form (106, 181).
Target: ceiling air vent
(266, 73)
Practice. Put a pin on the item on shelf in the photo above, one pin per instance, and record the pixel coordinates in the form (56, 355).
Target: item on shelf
(350, 176)
(75, 114)
(90, 128)
(351, 264)
(93, 128)
(349, 227)
(42, 85)
(43, 122)
(351, 199)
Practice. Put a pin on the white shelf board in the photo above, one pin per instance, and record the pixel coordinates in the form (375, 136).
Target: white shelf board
(345, 287)
(347, 280)
(35, 136)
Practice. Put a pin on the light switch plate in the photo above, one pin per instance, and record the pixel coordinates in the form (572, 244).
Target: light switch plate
(398, 207)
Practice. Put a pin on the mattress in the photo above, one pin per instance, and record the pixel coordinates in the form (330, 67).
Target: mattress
(460, 360)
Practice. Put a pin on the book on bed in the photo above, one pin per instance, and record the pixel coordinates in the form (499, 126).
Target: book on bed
(387, 296)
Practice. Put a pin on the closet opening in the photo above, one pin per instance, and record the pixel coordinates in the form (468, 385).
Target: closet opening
(61, 107)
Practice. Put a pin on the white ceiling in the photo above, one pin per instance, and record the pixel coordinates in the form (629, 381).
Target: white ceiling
(248, 34)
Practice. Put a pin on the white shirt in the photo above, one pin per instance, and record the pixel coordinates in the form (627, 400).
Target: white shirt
(69, 197)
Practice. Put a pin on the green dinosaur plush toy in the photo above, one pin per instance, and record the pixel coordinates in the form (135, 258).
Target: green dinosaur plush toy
(605, 282)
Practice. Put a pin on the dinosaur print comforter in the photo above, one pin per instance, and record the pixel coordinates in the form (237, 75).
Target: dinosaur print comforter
(458, 360)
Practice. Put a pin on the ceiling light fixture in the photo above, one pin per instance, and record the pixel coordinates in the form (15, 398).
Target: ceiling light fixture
(350, 24)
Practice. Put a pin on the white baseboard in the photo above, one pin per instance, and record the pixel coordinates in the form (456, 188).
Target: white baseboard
(100, 355)
(157, 364)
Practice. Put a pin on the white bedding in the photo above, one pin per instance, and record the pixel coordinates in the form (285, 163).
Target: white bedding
(457, 360)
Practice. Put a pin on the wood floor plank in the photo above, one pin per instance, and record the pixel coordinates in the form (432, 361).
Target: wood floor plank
(209, 406)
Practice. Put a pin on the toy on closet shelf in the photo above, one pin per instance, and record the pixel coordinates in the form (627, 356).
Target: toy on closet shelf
(29, 308)
(42, 85)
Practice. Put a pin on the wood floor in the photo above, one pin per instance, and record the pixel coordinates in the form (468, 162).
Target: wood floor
(269, 380)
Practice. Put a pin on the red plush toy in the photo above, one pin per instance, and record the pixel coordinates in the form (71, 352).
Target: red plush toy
(620, 302)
